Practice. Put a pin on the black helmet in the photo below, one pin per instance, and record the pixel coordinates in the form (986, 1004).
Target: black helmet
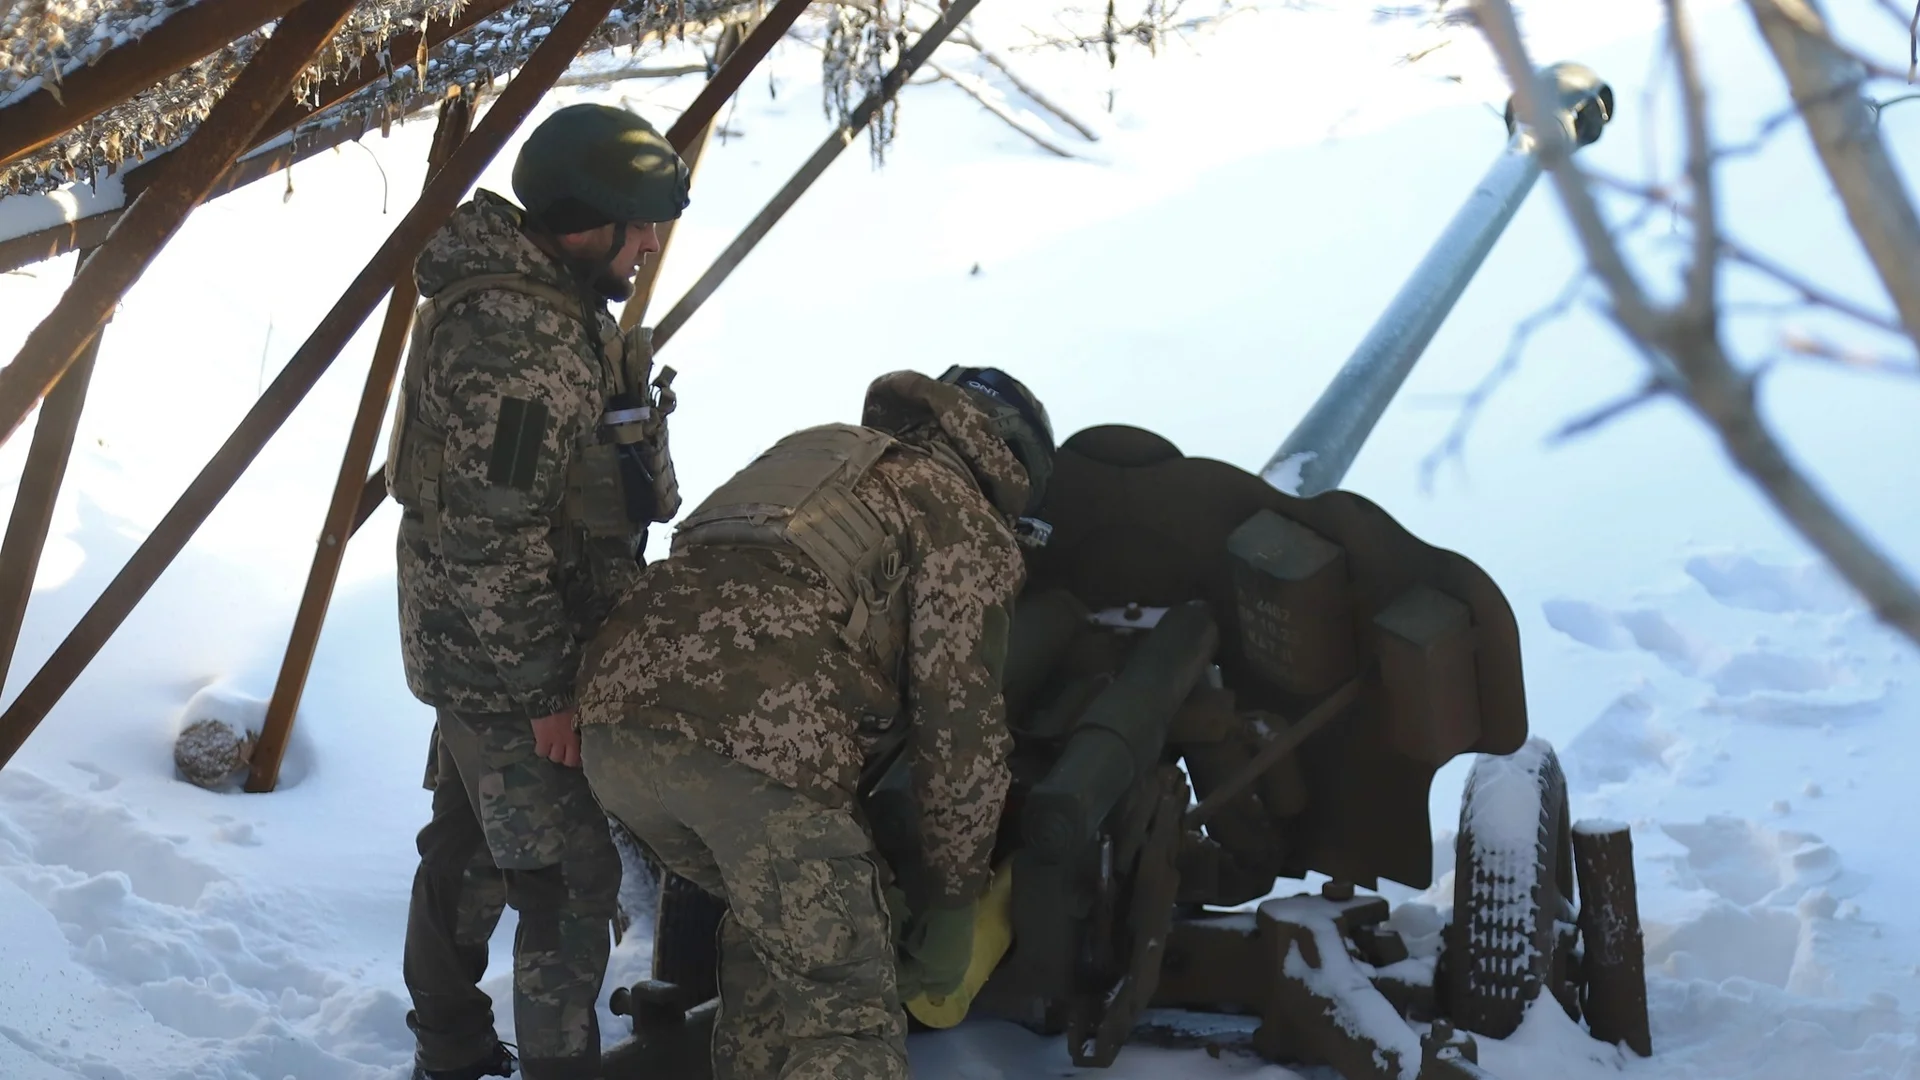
(592, 165)
(1018, 418)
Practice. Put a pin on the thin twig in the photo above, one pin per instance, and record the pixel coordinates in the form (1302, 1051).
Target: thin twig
(1608, 412)
(1026, 89)
(633, 71)
(980, 93)
(1453, 445)
(1813, 294)
(1913, 44)
(1801, 344)
(1703, 292)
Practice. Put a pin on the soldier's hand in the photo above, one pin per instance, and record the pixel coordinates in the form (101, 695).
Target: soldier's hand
(555, 739)
(938, 950)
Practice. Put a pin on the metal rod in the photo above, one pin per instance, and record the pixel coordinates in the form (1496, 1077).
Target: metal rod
(1315, 457)
(1277, 747)
(636, 306)
(181, 39)
(264, 773)
(783, 201)
(308, 363)
(158, 213)
(33, 503)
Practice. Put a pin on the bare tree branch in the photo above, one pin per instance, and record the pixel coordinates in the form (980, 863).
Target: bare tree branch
(1849, 145)
(1707, 379)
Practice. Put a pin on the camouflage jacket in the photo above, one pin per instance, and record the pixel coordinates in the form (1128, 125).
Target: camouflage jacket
(740, 648)
(498, 593)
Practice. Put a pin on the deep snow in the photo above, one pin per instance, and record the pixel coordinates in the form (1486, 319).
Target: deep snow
(1255, 199)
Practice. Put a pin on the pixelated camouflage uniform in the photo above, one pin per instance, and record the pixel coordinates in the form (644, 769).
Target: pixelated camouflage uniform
(499, 587)
(726, 718)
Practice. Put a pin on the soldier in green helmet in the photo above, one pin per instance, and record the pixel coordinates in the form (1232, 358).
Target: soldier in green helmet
(529, 454)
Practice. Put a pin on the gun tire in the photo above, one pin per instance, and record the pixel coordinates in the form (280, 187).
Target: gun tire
(1513, 893)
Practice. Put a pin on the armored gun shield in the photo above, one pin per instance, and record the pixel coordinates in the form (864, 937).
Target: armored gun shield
(1305, 665)
(1308, 595)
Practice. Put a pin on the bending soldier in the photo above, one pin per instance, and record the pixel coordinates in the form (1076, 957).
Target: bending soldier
(529, 456)
(844, 597)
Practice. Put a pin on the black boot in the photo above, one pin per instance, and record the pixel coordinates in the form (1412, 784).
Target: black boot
(499, 1062)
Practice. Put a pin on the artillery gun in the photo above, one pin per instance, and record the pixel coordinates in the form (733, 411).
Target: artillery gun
(1214, 683)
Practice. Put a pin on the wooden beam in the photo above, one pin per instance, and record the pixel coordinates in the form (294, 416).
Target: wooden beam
(783, 201)
(455, 113)
(636, 306)
(302, 370)
(182, 39)
(154, 217)
(39, 490)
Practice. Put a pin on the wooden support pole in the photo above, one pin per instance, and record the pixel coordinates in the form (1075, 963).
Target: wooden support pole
(182, 39)
(1616, 969)
(455, 114)
(154, 217)
(39, 490)
(304, 369)
(841, 138)
(636, 306)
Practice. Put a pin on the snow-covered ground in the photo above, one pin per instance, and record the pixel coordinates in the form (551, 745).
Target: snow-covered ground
(1254, 200)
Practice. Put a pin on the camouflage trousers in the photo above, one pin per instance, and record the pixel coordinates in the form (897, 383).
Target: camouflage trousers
(807, 987)
(509, 827)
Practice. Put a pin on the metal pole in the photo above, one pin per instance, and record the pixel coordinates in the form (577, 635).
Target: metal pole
(33, 503)
(1315, 457)
(841, 138)
(337, 526)
(158, 213)
(303, 369)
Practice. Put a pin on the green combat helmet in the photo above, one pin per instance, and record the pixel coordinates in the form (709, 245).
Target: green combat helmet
(1018, 418)
(592, 165)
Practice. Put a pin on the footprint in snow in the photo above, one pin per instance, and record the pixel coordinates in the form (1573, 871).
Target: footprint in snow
(1773, 910)
(102, 779)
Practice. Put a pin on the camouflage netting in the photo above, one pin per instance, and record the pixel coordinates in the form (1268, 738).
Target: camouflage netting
(47, 39)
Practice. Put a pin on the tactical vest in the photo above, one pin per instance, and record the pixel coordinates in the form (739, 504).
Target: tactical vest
(799, 495)
(596, 497)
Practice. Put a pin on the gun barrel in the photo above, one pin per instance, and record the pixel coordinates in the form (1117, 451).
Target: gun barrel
(1315, 457)
(1120, 736)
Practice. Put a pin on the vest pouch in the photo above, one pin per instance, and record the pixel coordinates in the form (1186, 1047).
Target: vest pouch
(625, 424)
(596, 492)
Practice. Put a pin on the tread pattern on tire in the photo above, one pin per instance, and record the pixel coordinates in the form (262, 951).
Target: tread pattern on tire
(1512, 884)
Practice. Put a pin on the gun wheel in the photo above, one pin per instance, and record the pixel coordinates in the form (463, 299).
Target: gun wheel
(1512, 893)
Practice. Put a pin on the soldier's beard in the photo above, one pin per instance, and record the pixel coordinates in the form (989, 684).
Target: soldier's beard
(611, 285)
